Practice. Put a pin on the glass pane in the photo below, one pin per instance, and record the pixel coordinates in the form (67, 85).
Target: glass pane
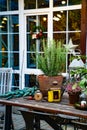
(6, 57)
(28, 4)
(75, 2)
(14, 23)
(31, 60)
(9, 21)
(3, 5)
(43, 3)
(3, 24)
(4, 42)
(15, 81)
(75, 37)
(74, 20)
(14, 42)
(59, 3)
(8, 5)
(59, 21)
(9, 59)
(3, 59)
(15, 60)
(36, 31)
(60, 36)
(30, 80)
(13, 4)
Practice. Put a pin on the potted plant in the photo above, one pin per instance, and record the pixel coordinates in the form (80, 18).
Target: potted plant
(78, 84)
(83, 84)
(74, 91)
(52, 62)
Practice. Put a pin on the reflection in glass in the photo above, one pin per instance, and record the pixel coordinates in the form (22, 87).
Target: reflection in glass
(15, 80)
(9, 41)
(75, 37)
(9, 59)
(3, 59)
(30, 80)
(31, 60)
(15, 60)
(60, 36)
(29, 4)
(75, 2)
(13, 4)
(43, 3)
(3, 23)
(35, 25)
(8, 5)
(10, 22)
(14, 42)
(74, 20)
(3, 5)
(34, 4)
(14, 23)
(59, 21)
(59, 3)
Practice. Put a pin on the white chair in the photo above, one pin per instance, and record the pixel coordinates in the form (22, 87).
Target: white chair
(5, 80)
(5, 86)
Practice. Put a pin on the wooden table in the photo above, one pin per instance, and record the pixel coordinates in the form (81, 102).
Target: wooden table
(40, 108)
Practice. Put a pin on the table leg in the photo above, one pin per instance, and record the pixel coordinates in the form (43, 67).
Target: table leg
(37, 122)
(8, 117)
(29, 119)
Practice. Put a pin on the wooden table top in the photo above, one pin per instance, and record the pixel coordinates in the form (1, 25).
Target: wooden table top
(62, 107)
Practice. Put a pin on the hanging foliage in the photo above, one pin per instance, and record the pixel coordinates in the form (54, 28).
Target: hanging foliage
(37, 32)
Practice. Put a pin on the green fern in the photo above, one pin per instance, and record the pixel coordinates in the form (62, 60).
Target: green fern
(53, 60)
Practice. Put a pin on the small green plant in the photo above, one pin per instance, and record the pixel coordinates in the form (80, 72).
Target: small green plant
(53, 59)
(80, 75)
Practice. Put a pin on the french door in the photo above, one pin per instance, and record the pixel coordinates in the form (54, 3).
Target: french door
(36, 29)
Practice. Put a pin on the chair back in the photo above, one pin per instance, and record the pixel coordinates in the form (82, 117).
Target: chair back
(5, 80)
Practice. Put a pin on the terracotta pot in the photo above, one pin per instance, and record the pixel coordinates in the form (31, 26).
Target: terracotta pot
(46, 82)
(74, 97)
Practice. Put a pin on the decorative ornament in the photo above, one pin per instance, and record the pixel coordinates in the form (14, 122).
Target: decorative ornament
(70, 47)
(37, 32)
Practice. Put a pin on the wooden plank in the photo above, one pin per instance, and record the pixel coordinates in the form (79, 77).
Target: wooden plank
(53, 108)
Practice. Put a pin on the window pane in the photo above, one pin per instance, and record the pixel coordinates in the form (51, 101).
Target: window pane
(36, 25)
(8, 5)
(59, 21)
(74, 20)
(43, 3)
(13, 4)
(3, 5)
(60, 36)
(29, 4)
(14, 42)
(9, 23)
(3, 59)
(3, 24)
(75, 37)
(14, 23)
(30, 80)
(75, 2)
(31, 60)
(59, 3)
(15, 60)
(33, 4)
(15, 81)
